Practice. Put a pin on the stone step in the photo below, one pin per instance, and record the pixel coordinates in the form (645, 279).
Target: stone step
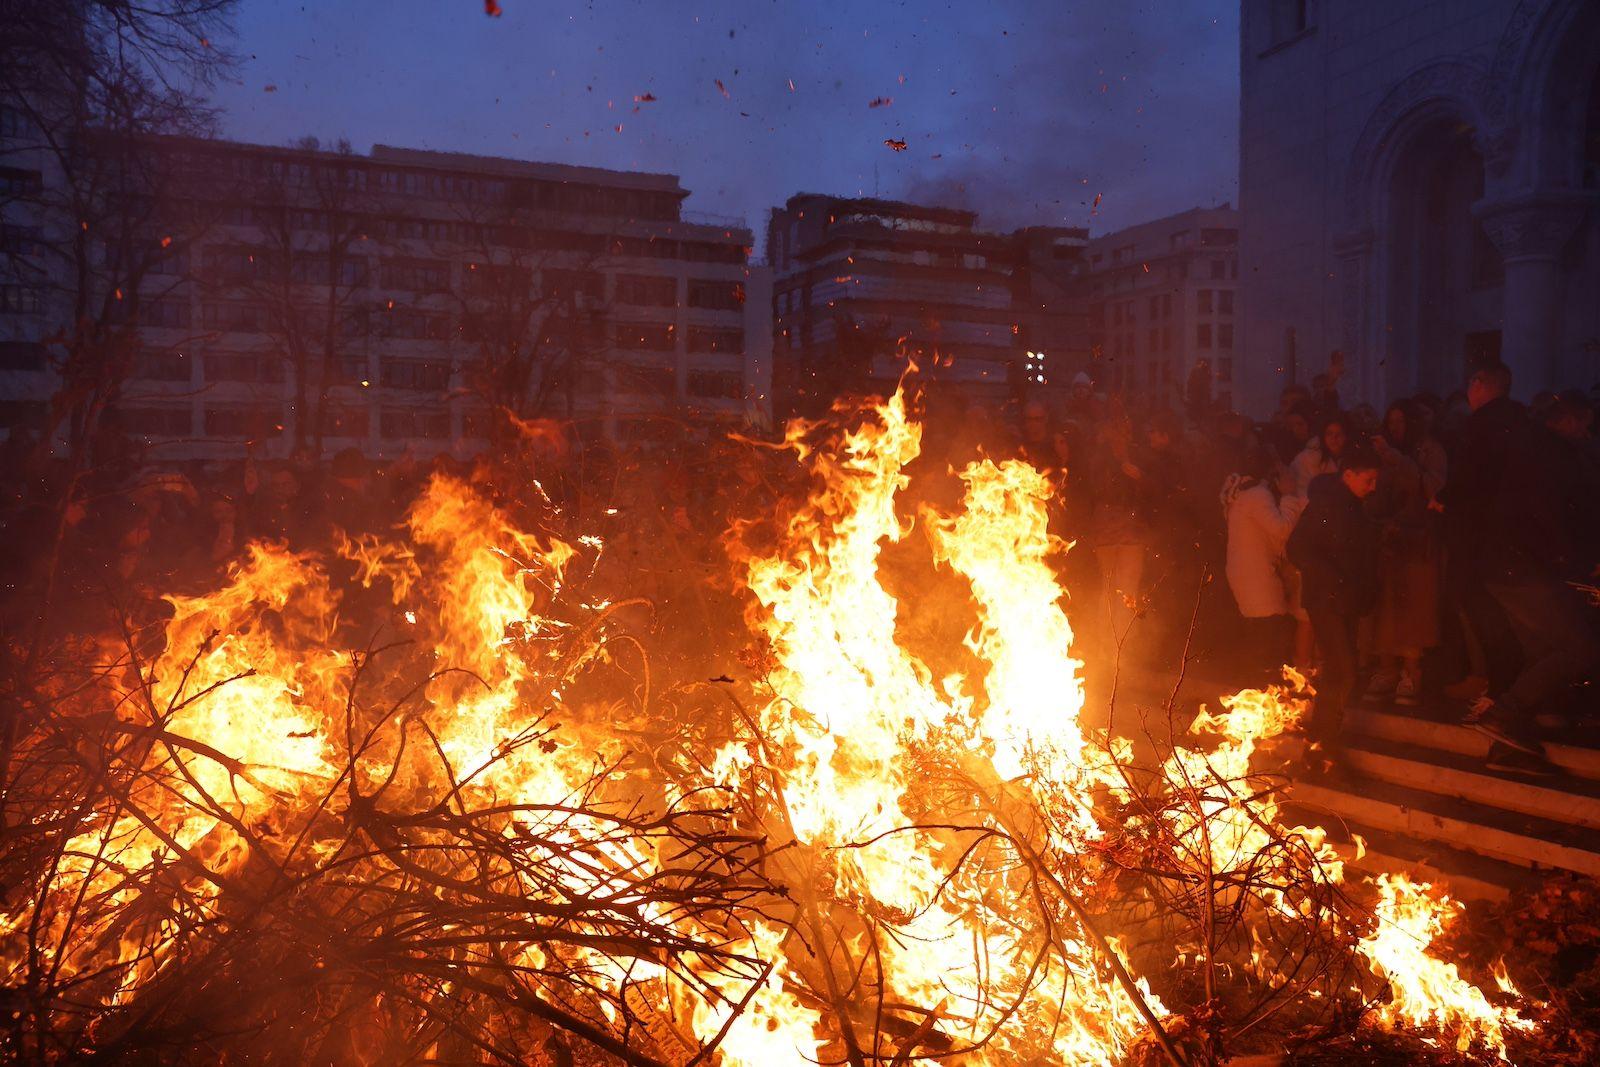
(1563, 799)
(1465, 875)
(1576, 760)
(1358, 800)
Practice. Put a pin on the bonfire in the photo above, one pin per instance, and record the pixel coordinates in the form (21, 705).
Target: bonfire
(466, 824)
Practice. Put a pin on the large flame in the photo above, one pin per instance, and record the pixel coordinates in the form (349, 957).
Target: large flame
(855, 715)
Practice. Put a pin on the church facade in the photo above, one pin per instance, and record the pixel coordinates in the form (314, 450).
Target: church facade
(1420, 191)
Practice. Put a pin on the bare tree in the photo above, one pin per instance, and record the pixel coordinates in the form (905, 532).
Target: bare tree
(90, 89)
(93, 86)
(532, 310)
(302, 278)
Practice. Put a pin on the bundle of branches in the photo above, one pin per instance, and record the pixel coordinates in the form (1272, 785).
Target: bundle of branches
(1189, 924)
(227, 838)
(1248, 915)
(1039, 927)
(997, 951)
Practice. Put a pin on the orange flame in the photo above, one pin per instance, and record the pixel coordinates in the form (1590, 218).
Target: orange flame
(1426, 992)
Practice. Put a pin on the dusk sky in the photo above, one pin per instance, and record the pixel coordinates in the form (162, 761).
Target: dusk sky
(1024, 110)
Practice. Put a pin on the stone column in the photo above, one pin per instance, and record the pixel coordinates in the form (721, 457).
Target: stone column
(1530, 231)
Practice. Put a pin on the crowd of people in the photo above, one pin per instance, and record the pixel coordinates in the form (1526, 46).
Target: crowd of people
(1442, 554)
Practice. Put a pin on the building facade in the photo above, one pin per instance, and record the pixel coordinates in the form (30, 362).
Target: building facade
(1161, 297)
(861, 287)
(397, 299)
(1418, 184)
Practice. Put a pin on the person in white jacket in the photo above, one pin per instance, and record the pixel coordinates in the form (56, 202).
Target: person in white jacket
(1261, 513)
(1321, 455)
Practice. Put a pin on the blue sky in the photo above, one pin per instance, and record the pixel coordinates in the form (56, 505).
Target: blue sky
(1024, 110)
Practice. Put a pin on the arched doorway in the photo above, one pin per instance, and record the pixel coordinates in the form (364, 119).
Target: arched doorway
(1447, 277)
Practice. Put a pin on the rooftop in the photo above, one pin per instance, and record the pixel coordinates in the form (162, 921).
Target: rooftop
(423, 158)
(522, 168)
(1222, 215)
(898, 208)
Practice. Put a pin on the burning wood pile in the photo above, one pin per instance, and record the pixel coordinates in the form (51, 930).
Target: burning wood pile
(258, 833)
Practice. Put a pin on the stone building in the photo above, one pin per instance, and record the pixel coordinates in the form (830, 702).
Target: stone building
(861, 286)
(1160, 298)
(447, 283)
(1418, 185)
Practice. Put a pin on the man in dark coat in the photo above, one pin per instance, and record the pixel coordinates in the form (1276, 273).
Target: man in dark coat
(1518, 508)
(1335, 545)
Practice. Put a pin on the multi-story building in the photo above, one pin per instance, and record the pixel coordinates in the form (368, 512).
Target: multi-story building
(1420, 189)
(395, 299)
(26, 170)
(862, 286)
(1160, 298)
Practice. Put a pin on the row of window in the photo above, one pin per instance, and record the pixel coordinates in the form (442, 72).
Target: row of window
(1203, 335)
(1159, 339)
(662, 337)
(504, 280)
(19, 300)
(23, 355)
(1207, 302)
(1140, 275)
(21, 182)
(663, 381)
(716, 384)
(269, 367)
(1209, 237)
(20, 241)
(244, 265)
(240, 266)
(255, 421)
(243, 367)
(440, 185)
(1159, 372)
(1215, 301)
(467, 236)
(392, 321)
(23, 413)
(18, 181)
(14, 122)
(411, 324)
(642, 290)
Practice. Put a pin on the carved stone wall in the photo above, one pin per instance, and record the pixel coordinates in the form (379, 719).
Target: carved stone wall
(1327, 118)
(1535, 227)
(1448, 87)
